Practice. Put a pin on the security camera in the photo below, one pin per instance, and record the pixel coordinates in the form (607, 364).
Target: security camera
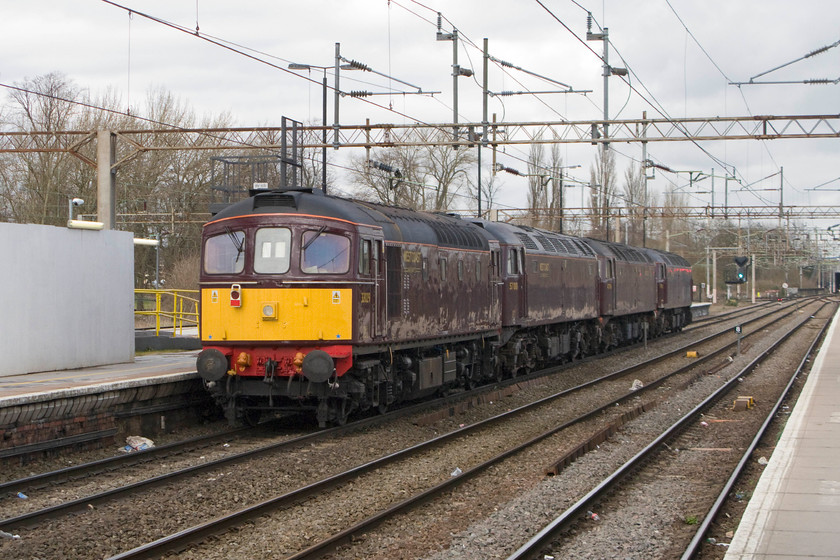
(77, 202)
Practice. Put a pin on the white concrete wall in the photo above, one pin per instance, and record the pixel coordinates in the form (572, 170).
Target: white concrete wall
(66, 298)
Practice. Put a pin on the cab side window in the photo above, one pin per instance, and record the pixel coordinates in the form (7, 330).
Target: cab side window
(364, 256)
(513, 261)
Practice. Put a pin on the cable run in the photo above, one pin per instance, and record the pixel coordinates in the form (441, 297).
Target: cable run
(221, 44)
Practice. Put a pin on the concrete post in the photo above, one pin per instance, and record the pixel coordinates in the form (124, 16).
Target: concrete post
(106, 185)
(714, 276)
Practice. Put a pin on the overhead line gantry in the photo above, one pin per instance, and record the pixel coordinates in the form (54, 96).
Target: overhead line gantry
(117, 147)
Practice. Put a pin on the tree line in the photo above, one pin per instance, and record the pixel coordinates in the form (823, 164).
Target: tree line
(166, 194)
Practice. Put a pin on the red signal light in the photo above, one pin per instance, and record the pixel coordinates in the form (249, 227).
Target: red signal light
(235, 295)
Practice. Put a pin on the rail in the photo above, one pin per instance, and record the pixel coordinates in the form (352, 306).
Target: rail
(182, 309)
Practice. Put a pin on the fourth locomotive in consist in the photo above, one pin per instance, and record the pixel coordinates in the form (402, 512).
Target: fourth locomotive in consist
(312, 302)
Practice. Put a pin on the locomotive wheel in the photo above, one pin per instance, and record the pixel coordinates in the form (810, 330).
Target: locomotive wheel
(341, 410)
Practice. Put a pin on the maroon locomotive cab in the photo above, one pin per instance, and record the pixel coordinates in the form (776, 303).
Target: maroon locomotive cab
(514, 292)
(606, 289)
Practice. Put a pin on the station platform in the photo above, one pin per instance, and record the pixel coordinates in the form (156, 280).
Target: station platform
(144, 370)
(97, 405)
(795, 509)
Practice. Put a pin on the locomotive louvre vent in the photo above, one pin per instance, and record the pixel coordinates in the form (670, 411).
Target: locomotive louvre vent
(560, 245)
(527, 241)
(675, 260)
(274, 200)
(640, 255)
(547, 243)
(583, 248)
(566, 247)
(629, 254)
(455, 235)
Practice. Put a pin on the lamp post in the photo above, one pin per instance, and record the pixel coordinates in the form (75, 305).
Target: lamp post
(608, 71)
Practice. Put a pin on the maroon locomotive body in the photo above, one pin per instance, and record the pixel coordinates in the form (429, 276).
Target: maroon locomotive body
(312, 302)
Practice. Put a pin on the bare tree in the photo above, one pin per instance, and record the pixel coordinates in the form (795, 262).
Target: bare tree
(557, 200)
(669, 223)
(537, 185)
(602, 193)
(168, 187)
(378, 185)
(36, 185)
(490, 186)
(635, 203)
(430, 176)
(445, 169)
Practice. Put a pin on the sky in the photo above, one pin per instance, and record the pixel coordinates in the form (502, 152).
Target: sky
(681, 53)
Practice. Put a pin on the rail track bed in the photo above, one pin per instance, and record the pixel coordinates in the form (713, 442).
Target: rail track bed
(681, 495)
(155, 512)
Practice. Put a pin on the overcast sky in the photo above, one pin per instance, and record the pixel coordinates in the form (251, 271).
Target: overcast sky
(97, 46)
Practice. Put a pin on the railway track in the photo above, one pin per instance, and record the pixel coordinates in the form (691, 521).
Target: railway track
(729, 314)
(83, 503)
(679, 435)
(110, 464)
(199, 463)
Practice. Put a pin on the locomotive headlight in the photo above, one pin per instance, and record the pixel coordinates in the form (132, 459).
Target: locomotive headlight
(269, 311)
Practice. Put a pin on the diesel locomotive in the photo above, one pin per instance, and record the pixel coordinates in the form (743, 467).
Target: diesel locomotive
(329, 305)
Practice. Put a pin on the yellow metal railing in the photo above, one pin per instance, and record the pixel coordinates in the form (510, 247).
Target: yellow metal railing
(174, 306)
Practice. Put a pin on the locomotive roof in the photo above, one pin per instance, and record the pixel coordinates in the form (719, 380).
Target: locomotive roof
(619, 251)
(537, 241)
(629, 253)
(672, 259)
(398, 224)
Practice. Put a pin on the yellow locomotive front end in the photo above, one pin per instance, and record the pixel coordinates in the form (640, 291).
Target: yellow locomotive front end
(279, 312)
(243, 313)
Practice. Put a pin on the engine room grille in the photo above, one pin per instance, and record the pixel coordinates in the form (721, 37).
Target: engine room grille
(269, 200)
(527, 241)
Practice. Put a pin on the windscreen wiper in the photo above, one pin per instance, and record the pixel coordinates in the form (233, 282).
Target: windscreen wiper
(237, 242)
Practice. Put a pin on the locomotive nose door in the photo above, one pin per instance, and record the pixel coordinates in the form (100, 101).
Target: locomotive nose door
(514, 304)
(661, 292)
(495, 281)
(379, 319)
